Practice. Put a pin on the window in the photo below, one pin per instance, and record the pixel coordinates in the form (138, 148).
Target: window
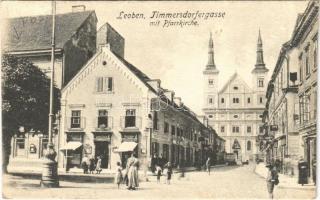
(130, 118)
(210, 81)
(248, 129)
(307, 66)
(155, 120)
(222, 129)
(235, 100)
(261, 100)
(261, 129)
(249, 146)
(222, 100)
(210, 100)
(248, 100)
(235, 88)
(260, 82)
(235, 116)
(166, 127)
(104, 84)
(178, 132)
(20, 147)
(235, 129)
(102, 118)
(210, 116)
(75, 118)
(173, 130)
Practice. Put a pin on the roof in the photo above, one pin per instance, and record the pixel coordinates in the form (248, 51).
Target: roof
(34, 32)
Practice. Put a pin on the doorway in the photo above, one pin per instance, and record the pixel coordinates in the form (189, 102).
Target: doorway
(102, 150)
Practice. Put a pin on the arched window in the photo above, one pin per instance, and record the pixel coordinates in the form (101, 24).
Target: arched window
(249, 146)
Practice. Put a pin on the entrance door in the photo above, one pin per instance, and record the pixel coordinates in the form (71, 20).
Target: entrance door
(102, 150)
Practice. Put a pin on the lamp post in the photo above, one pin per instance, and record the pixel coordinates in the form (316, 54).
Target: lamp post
(50, 176)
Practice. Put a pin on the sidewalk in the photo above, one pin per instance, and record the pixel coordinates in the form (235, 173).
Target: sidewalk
(106, 176)
(285, 181)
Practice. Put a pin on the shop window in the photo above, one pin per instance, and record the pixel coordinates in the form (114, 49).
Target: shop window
(75, 119)
(44, 146)
(165, 148)
(102, 118)
(20, 147)
(130, 118)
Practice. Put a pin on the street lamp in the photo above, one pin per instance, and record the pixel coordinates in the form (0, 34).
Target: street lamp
(50, 176)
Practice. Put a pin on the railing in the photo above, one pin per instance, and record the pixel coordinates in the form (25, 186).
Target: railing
(76, 123)
(103, 123)
(128, 122)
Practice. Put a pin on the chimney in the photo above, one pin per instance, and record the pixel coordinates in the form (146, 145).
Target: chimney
(155, 84)
(78, 8)
(169, 94)
(177, 100)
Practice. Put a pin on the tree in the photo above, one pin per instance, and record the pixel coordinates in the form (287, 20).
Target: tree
(25, 99)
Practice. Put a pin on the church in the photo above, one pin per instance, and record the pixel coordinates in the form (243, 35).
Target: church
(235, 108)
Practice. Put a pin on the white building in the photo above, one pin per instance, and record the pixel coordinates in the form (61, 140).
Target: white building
(235, 109)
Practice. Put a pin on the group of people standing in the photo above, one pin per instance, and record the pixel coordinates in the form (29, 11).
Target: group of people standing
(129, 175)
(91, 165)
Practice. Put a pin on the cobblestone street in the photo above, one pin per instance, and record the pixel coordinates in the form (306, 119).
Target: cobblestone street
(224, 182)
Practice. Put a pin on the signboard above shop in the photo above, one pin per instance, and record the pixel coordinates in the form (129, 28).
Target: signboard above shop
(273, 127)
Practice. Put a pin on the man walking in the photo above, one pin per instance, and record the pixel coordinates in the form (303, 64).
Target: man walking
(208, 165)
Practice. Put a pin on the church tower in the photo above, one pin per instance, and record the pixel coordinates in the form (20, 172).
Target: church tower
(259, 75)
(210, 79)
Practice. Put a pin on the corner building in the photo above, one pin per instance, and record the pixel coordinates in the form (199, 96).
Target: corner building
(235, 109)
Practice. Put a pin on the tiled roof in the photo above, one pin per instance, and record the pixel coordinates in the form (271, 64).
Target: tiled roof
(34, 32)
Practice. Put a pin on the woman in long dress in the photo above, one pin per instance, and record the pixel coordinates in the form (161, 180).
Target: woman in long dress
(132, 169)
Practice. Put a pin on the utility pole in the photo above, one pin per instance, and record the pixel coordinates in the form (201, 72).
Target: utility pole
(50, 176)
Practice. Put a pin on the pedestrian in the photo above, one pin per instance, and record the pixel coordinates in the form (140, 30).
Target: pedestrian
(84, 165)
(118, 176)
(208, 165)
(132, 169)
(303, 171)
(272, 179)
(98, 165)
(92, 166)
(158, 171)
(169, 172)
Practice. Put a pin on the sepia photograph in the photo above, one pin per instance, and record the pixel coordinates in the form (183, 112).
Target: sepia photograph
(159, 99)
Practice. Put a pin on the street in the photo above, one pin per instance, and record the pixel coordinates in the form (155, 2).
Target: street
(224, 182)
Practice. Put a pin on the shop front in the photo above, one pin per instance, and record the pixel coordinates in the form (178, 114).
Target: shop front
(310, 155)
(73, 150)
(102, 146)
(129, 144)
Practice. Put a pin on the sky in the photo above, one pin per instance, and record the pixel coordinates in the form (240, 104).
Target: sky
(177, 56)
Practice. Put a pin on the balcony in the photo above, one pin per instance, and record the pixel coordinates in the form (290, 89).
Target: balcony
(75, 123)
(103, 123)
(130, 122)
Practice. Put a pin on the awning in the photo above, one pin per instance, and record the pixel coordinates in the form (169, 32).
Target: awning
(126, 146)
(71, 146)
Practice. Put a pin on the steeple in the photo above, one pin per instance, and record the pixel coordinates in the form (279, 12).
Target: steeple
(211, 64)
(259, 66)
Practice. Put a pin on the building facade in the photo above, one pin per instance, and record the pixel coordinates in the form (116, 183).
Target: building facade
(235, 110)
(292, 98)
(111, 108)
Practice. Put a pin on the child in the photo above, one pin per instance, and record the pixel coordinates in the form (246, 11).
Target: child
(85, 165)
(118, 177)
(158, 170)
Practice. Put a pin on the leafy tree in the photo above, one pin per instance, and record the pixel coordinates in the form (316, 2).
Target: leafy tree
(25, 99)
